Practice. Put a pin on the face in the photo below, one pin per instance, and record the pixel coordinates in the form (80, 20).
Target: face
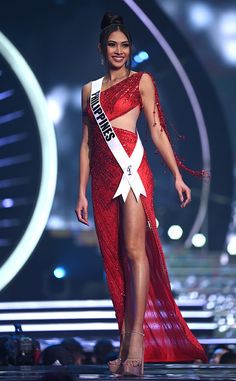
(118, 49)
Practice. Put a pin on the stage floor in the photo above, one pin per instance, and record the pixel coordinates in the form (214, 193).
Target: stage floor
(152, 372)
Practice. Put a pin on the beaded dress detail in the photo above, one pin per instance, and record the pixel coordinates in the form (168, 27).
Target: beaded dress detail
(167, 336)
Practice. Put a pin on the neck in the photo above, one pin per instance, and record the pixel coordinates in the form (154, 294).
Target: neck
(116, 74)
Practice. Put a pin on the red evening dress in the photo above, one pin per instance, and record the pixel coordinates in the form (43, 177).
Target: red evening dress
(167, 336)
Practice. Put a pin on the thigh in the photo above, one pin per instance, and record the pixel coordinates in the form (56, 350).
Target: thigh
(133, 223)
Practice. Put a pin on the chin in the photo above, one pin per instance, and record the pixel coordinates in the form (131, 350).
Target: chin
(116, 65)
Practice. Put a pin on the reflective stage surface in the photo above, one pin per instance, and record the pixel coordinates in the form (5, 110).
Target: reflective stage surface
(152, 372)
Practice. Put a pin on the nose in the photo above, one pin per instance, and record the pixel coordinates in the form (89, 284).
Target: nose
(118, 49)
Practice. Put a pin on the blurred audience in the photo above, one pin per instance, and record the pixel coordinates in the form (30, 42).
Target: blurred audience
(218, 352)
(68, 352)
(57, 355)
(102, 352)
(76, 349)
(3, 351)
(228, 358)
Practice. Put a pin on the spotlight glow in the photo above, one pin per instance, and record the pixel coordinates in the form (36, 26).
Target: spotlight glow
(143, 55)
(57, 100)
(198, 240)
(175, 232)
(227, 24)
(224, 259)
(59, 272)
(137, 59)
(231, 247)
(7, 203)
(229, 50)
(200, 15)
(54, 110)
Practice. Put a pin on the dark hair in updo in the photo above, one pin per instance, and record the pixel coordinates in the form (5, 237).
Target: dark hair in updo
(110, 23)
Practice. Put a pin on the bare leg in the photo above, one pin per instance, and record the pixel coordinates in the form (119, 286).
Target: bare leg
(134, 230)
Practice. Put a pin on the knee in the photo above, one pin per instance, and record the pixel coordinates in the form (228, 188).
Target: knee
(135, 251)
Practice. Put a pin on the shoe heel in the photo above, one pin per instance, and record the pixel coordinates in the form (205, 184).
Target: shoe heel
(115, 366)
(134, 367)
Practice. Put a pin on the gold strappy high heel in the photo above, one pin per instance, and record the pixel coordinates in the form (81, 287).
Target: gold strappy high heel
(134, 367)
(115, 366)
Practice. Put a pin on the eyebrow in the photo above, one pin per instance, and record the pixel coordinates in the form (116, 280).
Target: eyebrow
(116, 41)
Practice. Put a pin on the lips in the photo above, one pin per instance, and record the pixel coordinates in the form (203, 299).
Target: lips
(118, 59)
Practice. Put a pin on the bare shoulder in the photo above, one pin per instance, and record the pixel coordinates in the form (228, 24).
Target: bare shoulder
(86, 89)
(146, 83)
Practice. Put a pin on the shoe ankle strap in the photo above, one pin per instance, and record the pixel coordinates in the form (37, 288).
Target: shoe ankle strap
(134, 331)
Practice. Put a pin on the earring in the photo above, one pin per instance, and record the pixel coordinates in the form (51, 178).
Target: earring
(102, 60)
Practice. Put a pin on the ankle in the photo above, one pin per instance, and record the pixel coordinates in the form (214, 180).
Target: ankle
(134, 331)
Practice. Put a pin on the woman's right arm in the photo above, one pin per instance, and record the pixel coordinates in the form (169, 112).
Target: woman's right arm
(84, 163)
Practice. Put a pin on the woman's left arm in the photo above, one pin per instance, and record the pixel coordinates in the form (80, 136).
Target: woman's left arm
(160, 138)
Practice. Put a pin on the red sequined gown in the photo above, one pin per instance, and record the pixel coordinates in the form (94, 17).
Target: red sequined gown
(167, 336)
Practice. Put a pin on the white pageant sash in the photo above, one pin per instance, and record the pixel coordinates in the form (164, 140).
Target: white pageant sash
(129, 165)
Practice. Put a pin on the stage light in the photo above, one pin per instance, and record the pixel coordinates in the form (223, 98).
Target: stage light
(54, 110)
(99, 326)
(198, 240)
(227, 24)
(137, 59)
(143, 55)
(210, 306)
(230, 319)
(225, 39)
(228, 50)
(175, 232)
(7, 203)
(84, 304)
(221, 321)
(45, 316)
(223, 328)
(57, 100)
(56, 223)
(224, 259)
(231, 247)
(200, 15)
(59, 272)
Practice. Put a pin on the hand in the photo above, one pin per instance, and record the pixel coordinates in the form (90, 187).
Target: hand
(81, 210)
(184, 192)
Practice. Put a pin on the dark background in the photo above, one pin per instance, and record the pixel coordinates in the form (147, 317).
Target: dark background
(58, 39)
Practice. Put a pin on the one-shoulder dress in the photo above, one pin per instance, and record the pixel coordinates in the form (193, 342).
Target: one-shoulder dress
(167, 336)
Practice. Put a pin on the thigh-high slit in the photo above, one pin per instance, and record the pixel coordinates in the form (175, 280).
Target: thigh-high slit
(167, 336)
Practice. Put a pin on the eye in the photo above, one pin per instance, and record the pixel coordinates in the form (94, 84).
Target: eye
(110, 43)
(125, 45)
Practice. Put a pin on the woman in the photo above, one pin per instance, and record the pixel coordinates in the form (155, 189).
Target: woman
(122, 194)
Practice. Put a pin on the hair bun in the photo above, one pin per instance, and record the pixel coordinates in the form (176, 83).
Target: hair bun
(109, 18)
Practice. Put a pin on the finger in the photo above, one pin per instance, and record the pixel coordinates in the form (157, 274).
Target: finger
(80, 216)
(181, 197)
(188, 197)
(85, 215)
